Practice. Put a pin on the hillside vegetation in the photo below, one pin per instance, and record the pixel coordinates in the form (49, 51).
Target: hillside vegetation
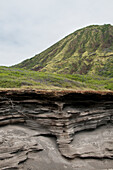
(83, 60)
(87, 51)
(20, 78)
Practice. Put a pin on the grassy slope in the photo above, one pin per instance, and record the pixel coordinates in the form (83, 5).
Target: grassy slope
(86, 51)
(16, 78)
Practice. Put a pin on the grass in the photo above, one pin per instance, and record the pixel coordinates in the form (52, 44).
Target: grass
(20, 78)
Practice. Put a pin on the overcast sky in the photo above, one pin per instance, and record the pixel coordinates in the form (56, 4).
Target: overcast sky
(27, 27)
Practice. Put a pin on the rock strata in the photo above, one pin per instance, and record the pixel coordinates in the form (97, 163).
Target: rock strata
(60, 114)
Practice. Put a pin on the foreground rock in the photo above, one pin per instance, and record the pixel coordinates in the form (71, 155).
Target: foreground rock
(15, 145)
(22, 148)
(66, 116)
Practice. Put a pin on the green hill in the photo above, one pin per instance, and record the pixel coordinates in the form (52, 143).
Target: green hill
(83, 60)
(86, 51)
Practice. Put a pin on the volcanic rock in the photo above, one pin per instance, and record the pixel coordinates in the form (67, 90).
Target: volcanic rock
(72, 128)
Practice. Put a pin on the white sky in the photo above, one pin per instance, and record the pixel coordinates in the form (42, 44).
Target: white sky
(27, 27)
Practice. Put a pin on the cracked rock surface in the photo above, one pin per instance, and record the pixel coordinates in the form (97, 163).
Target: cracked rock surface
(15, 145)
(56, 130)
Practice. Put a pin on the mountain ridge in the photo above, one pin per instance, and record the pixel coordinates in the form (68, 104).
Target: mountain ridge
(86, 51)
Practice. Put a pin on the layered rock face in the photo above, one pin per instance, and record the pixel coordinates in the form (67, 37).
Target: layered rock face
(80, 121)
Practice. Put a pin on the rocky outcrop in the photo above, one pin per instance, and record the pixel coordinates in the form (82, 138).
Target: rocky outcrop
(63, 115)
(15, 146)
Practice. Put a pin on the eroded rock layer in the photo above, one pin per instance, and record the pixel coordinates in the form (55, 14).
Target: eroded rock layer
(63, 115)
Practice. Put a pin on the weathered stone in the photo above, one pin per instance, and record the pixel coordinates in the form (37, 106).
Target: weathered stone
(15, 146)
(62, 114)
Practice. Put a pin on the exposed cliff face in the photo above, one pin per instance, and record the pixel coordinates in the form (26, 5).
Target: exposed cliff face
(66, 115)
